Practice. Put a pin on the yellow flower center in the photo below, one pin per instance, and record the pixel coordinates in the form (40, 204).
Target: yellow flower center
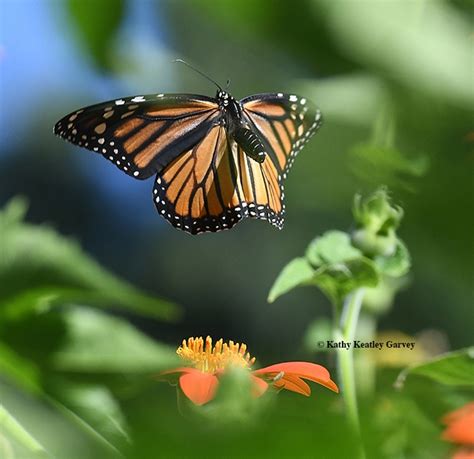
(210, 359)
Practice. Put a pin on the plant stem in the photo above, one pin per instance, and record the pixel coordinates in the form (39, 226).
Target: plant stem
(346, 333)
(365, 364)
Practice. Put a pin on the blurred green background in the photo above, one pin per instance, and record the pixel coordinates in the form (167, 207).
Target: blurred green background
(394, 82)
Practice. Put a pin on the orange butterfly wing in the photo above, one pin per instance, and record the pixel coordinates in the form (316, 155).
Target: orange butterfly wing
(284, 123)
(142, 134)
(200, 191)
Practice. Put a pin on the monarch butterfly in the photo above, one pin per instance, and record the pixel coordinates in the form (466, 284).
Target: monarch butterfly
(217, 160)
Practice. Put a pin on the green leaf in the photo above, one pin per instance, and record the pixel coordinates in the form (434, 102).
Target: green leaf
(62, 433)
(401, 427)
(452, 369)
(98, 343)
(337, 280)
(331, 247)
(376, 212)
(95, 405)
(296, 273)
(40, 268)
(234, 401)
(376, 219)
(82, 425)
(22, 372)
(397, 264)
(342, 268)
(95, 24)
(233, 404)
(378, 300)
(13, 430)
(13, 213)
(377, 164)
(391, 159)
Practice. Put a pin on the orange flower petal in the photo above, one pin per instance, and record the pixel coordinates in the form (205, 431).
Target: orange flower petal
(293, 383)
(306, 370)
(459, 413)
(173, 375)
(459, 425)
(461, 429)
(178, 370)
(199, 387)
(463, 454)
(259, 386)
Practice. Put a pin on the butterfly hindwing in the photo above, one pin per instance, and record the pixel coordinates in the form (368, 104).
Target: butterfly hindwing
(199, 191)
(141, 134)
(259, 188)
(214, 185)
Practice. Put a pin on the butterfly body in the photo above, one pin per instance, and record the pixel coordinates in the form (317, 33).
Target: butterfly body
(216, 160)
(238, 128)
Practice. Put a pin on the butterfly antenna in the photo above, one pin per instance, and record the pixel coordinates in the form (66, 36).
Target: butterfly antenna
(198, 71)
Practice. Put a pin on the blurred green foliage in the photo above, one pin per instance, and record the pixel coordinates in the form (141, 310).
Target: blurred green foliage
(95, 25)
(453, 369)
(393, 81)
(39, 269)
(71, 358)
(339, 263)
(234, 405)
(11, 427)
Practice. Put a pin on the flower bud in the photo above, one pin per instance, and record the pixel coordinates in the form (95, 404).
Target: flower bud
(376, 221)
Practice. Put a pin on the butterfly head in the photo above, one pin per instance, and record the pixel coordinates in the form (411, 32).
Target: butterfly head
(231, 107)
(224, 98)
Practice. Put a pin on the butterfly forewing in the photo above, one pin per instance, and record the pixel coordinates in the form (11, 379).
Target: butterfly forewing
(142, 134)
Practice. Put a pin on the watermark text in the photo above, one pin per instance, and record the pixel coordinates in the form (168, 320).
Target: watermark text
(358, 344)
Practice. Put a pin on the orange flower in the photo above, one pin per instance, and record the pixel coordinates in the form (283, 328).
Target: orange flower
(460, 430)
(200, 380)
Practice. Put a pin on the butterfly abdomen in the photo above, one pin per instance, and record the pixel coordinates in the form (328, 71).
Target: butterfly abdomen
(250, 143)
